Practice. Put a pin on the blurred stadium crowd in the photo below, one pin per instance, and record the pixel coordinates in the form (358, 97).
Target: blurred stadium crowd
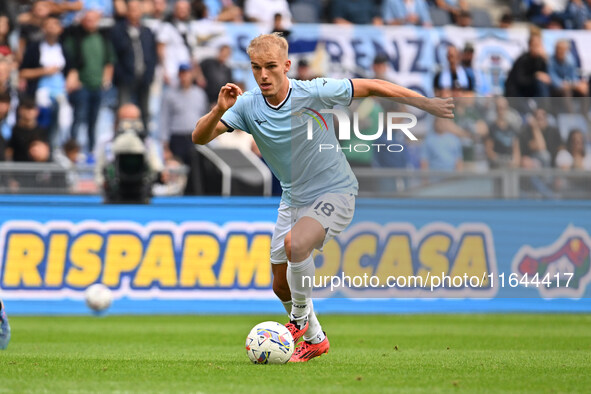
(68, 68)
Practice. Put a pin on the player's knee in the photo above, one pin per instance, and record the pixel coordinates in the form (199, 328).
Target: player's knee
(299, 251)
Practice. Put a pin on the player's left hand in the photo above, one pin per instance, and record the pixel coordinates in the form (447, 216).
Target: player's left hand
(441, 107)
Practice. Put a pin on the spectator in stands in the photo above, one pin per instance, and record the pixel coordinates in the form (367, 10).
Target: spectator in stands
(466, 61)
(508, 108)
(120, 8)
(157, 17)
(506, 20)
(470, 126)
(529, 75)
(358, 12)
(454, 7)
(578, 14)
(383, 158)
(176, 180)
(574, 155)
(155, 21)
(6, 67)
(304, 71)
(219, 10)
(441, 150)
(5, 31)
(199, 10)
(563, 74)
(464, 19)
(217, 73)
(135, 50)
(546, 12)
(539, 142)
(4, 125)
(406, 12)
(280, 27)
(25, 131)
(181, 108)
(30, 27)
(481, 81)
(368, 110)
(502, 144)
(47, 50)
(105, 7)
(69, 157)
(453, 77)
(176, 43)
(42, 68)
(91, 57)
(7, 113)
(39, 152)
(67, 10)
(381, 68)
(264, 11)
(72, 153)
(128, 123)
(556, 22)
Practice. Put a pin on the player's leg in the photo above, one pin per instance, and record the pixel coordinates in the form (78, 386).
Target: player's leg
(280, 285)
(306, 235)
(4, 328)
(279, 266)
(282, 291)
(325, 219)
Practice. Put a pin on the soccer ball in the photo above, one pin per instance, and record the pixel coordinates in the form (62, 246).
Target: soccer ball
(269, 343)
(98, 297)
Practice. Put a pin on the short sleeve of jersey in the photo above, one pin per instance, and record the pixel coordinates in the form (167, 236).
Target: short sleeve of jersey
(334, 92)
(234, 117)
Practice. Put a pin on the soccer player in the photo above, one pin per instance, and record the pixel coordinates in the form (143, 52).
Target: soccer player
(319, 188)
(4, 328)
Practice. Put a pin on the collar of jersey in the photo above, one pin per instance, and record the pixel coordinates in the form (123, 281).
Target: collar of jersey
(278, 106)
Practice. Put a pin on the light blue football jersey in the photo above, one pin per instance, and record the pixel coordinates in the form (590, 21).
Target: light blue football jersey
(281, 134)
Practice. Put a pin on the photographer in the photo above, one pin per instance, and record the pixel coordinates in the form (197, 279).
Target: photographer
(129, 165)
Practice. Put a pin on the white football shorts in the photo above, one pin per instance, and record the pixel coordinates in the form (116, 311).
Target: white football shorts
(333, 210)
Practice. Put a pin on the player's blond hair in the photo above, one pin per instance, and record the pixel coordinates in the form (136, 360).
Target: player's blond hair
(267, 42)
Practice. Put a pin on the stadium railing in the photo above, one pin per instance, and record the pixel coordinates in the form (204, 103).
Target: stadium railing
(50, 178)
(493, 184)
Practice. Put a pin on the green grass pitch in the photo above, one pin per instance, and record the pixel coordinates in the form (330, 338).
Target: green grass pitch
(369, 353)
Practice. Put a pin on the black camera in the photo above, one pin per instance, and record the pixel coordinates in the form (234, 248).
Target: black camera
(128, 178)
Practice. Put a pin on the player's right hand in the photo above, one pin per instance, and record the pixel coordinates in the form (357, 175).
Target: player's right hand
(441, 107)
(228, 95)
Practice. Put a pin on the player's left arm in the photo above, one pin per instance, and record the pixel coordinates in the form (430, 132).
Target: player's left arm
(442, 108)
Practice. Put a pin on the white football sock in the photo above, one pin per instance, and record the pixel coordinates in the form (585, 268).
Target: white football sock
(287, 306)
(300, 276)
(314, 332)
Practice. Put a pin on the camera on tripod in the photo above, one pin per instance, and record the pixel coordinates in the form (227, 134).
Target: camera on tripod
(127, 173)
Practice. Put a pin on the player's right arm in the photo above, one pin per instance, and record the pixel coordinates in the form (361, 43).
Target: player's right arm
(210, 126)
